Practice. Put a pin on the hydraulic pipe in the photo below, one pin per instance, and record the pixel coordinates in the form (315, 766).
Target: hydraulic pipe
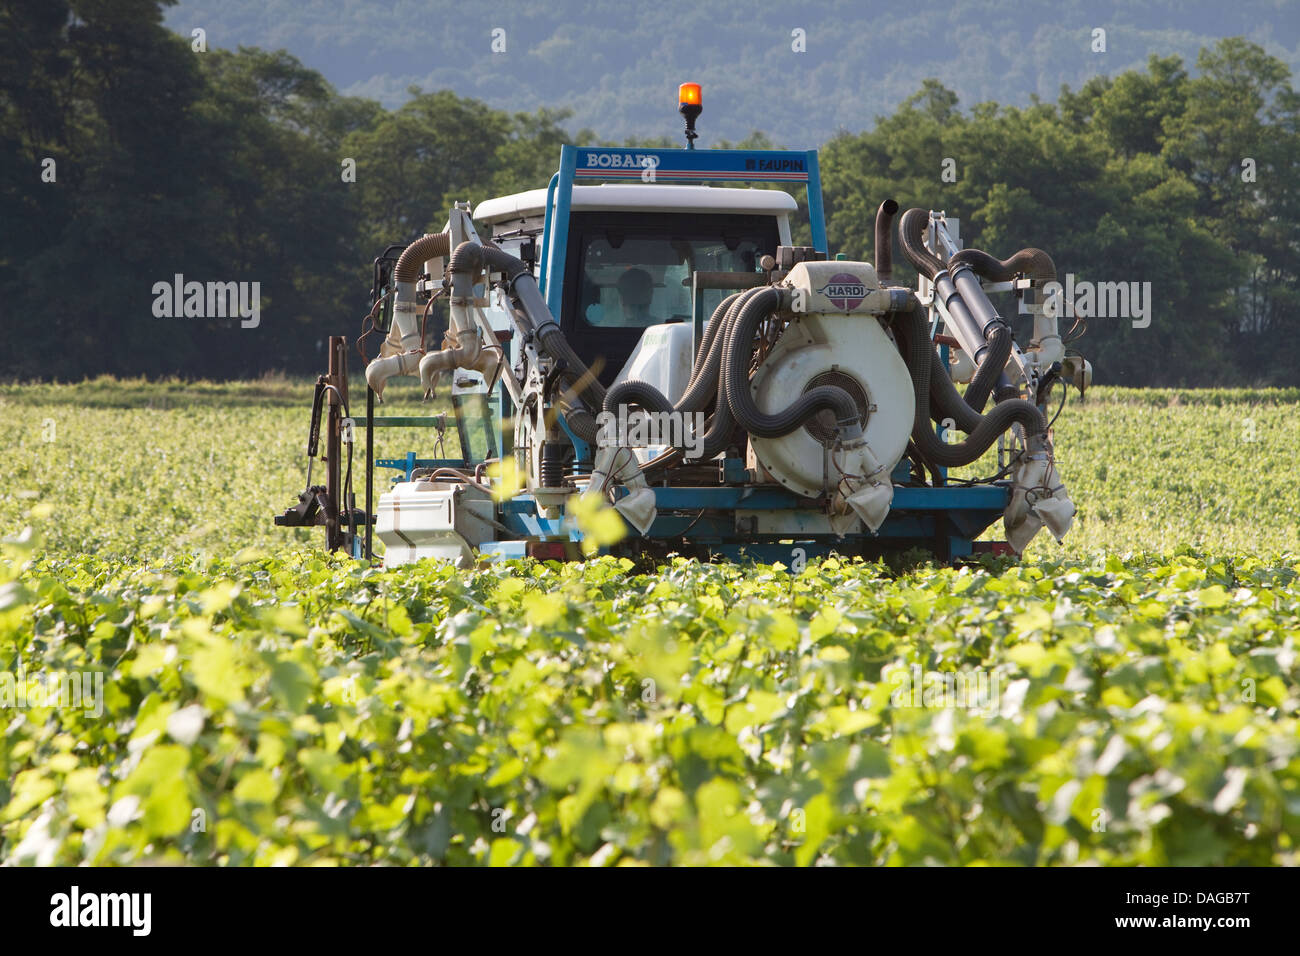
(403, 342)
(1031, 262)
(466, 261)
(1039, 267)
(984, 336)
(910, 325)
(704, 376)
(911, 237)
(738, 351)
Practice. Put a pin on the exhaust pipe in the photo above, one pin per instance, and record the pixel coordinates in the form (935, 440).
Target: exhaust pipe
(884, 238)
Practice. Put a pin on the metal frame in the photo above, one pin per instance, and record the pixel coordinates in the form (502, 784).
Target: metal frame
(666, 165)
(944, 520)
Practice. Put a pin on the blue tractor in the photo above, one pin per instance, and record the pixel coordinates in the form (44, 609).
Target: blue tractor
(643, 335)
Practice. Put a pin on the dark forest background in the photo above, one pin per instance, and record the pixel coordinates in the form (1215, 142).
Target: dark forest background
(225, 165)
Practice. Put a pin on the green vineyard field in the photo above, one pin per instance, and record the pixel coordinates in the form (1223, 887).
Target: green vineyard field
(1128, 697)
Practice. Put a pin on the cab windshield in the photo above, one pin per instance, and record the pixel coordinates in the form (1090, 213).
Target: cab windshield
(633, 275)
(628, 270)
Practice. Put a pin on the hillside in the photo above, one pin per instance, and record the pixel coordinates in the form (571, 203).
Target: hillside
(616, 66)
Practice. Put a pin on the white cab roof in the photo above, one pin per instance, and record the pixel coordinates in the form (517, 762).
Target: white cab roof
(643, 197)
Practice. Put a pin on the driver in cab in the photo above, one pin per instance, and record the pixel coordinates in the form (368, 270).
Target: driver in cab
(635, 289)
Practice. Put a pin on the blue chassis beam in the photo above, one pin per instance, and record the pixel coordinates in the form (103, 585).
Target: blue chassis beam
(920, 516)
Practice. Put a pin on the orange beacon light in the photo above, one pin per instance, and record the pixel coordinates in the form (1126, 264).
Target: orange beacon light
(690, 104)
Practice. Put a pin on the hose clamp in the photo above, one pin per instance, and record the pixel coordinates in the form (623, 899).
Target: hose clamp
(900, 300)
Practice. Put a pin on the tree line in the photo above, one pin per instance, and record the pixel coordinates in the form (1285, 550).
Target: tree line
(128, 158)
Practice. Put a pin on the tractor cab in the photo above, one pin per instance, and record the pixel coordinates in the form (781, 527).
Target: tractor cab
(632, 252)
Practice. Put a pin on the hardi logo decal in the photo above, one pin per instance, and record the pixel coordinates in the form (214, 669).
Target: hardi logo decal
(844, 290)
